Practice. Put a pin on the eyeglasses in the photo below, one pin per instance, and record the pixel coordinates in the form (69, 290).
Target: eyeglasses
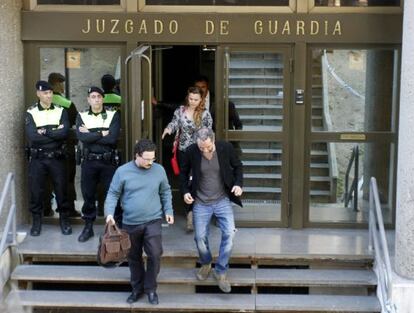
(149, 160)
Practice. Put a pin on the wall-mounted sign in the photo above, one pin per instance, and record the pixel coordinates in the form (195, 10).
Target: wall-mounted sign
(73, 59)
(357, 137)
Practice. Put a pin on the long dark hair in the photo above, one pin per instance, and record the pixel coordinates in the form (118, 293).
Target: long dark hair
(198, 112)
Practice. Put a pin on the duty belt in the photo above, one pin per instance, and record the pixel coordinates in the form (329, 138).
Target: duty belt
(107, 156)
(46, 154)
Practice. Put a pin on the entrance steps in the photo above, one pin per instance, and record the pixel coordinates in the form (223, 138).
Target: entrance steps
(272, 270)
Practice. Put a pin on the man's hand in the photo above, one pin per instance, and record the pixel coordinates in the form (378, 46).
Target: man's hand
(188, 198)
(237, 191)
(170, 219)
(61, 126)
(83, 129)
(105, 133)
(41, 131)
(166, 131)
(110, 220)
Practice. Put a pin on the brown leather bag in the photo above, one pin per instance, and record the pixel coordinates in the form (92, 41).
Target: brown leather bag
(114, 246)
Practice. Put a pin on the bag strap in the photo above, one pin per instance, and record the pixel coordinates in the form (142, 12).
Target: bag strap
(112, 229)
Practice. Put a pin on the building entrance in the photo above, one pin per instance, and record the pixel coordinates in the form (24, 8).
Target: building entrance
(300, 113)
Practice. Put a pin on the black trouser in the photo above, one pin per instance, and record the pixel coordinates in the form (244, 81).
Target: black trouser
(145, 237)
(39, 169)
(94, 172)
(70, 164)
(187, 207)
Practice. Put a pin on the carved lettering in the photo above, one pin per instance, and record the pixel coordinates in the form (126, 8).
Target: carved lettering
(143, 27)
(158, 27)
(173, 27)
(129, 26)
(273, 27)
(314, 28)
(326, 28)
(300, 28)
(114, 29)
(286, 28)
(337, 29)
(209, 27)
(224, 27)
(100, 25)
(258, 27)
(88, 27)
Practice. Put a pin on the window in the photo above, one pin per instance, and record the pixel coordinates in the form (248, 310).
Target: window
(357, 3)
(220, 2)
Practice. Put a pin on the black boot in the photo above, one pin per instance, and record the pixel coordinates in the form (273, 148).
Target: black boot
(64, 224)
(87, 232)
(36, 225)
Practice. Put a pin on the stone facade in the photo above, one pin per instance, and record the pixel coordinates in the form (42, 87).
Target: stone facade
(12, 100)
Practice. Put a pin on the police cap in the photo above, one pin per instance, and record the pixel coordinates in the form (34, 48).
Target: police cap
(55, 78)
(43, 85)
(96, 89)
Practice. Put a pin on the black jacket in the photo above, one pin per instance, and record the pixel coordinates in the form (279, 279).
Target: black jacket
(231, 169)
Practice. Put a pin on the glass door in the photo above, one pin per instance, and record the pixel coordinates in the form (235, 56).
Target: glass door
(254, 118)
(138, 114)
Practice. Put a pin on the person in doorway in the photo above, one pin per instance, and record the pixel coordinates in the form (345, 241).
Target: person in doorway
(217, 181)
(98, 130)
(187, 119)
(56, 80)
(112, 100)
(145, 194)
(47, 128)
(202, 82)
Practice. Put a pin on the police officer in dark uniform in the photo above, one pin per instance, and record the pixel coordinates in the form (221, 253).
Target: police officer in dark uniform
(98, 130)
(56, 80)
(111, 99)
(47, 127)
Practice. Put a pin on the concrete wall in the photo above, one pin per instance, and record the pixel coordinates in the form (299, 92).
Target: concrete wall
(11, 99)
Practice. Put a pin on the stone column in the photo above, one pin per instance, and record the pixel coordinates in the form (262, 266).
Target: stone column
(12, 102)
(404, 229)
(378, 103)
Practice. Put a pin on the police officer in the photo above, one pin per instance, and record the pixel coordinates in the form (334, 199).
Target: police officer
(56, 80)
(98, 130)
(111, 100)
(47, 127)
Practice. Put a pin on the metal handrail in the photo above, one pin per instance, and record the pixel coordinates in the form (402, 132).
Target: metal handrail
(377, 242)
(353, 191)
(9, 189)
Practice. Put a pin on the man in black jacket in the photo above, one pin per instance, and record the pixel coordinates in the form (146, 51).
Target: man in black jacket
(217, 178)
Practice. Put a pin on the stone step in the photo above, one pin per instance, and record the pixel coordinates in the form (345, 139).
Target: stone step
(258, 106)
(186, 276)
(195, 302)
(244, 76)
(253, 86)
(316, 303)
(261, 117)
(99, 301)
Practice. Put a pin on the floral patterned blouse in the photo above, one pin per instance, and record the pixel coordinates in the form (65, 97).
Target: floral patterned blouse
(186, 127)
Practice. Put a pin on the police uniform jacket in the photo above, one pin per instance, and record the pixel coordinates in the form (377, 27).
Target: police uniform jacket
(112, 101)
(93, 141)
(37, 118)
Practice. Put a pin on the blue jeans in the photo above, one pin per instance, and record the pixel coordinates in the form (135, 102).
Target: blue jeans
(202, 214)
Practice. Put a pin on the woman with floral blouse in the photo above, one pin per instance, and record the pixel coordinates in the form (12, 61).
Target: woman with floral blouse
(187, 119)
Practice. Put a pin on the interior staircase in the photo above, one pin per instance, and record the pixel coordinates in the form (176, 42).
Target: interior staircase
(69, 281)
(256, 87)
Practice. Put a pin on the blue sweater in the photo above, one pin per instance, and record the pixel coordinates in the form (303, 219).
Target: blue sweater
(145, 193)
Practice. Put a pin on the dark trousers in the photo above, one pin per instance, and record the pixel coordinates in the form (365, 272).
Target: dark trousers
(93, 173)
(145, 237)
(39, 170)
(70, 164)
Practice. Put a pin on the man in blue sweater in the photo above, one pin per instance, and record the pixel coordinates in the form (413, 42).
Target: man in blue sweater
(145, 194)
